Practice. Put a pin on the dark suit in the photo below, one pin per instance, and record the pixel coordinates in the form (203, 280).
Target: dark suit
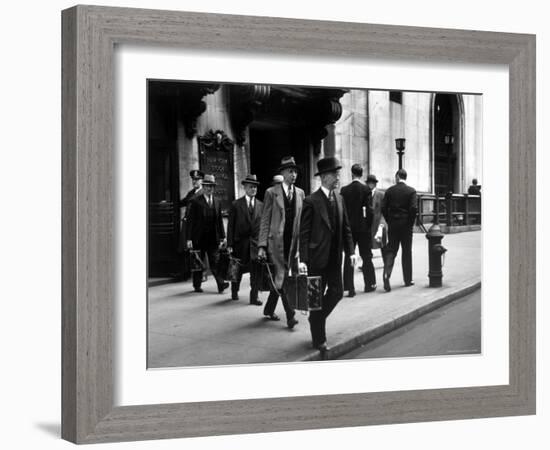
(399, 209)
(357, 198)
(243, 228)
(324, 235)
(184, 203)
(205, 229)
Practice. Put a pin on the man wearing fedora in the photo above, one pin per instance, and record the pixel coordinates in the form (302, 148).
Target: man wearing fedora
(196, 179)
(205, 229)
(379, 228)
(243, 228)
(278, 240)
(324, 234)
(399, 209)
(358, 200)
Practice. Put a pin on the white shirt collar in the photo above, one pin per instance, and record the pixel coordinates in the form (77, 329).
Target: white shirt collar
(359, 180)
(285, 187)
(325, 191)
(248, 199)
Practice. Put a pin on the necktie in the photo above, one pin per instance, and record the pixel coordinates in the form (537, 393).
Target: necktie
(250, 208)
(290, 193)
(210, 201)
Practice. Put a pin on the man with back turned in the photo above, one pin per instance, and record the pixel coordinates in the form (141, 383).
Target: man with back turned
(399, 209)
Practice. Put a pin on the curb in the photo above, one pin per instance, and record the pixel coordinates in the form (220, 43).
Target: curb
(346, 346)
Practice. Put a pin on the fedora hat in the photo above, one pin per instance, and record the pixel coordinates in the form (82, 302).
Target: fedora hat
(277, 179)
(250, 179)
(209, 180)
(196, 174)
(372, 179)
(329, 164)
(288, 162)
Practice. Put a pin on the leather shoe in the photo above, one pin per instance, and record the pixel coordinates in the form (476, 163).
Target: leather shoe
(370, 288)
(351, 293)
(234, 296)
(291, 322)
(198, 289)
(274, 317)
(256, 302)
(223, 287)
(410, 283)
(322, 347)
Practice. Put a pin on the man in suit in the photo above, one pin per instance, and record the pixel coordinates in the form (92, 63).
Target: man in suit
(324, 234)
(205, 229)
(474, 189)
(399, 209)
(357, 198)
(243, 228)
(196, 179)
(379, 228)
(279, 228)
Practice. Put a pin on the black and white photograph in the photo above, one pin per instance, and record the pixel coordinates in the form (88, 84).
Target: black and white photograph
(303, 223)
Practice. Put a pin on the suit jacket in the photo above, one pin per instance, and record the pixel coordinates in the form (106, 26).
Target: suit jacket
(358, 200)
(243, 230)
(272, 228)
(399, 203)
(377, 217)
(195, 223)
(316, 234)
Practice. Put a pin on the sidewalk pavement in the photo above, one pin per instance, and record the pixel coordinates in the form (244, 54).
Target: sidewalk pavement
(201, 329)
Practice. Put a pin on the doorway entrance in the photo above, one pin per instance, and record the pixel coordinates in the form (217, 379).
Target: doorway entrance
(447, 136)
(269, 143)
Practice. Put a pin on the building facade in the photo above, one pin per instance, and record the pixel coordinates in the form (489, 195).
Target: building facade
(231, 130)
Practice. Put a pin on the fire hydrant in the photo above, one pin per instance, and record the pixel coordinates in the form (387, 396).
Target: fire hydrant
(435, 252)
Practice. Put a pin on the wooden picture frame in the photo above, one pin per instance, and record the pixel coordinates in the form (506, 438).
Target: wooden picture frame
(89, 36)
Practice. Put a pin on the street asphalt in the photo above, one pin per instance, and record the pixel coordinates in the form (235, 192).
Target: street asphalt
(202, 329)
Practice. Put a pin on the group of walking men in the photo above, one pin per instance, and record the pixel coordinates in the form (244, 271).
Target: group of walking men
(316, 234)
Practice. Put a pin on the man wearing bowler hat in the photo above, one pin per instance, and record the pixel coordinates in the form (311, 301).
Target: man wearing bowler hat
(324, 234)
(358, 200)
(243, 228)
(279, 228)
(205, 229)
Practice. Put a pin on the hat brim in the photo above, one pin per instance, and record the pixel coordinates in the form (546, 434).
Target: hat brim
(288, 166)
(208, 183)
(331, 169)
(256, 183)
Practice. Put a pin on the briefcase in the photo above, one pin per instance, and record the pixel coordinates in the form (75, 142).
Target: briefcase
(221, 262)
(266, 280)
(197, 264)
(304, 292)
(233, 270)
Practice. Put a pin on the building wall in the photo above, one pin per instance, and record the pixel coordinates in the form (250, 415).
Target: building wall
(364, 134)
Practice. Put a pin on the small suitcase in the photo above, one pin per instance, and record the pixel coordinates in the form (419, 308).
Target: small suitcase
(266, 280)
(233, 269)
(197, 265)
(304, 292)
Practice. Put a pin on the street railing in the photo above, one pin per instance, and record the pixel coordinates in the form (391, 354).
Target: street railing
(454, 210)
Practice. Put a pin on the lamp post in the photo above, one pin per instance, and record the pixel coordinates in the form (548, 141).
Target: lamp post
(449, 141)
(400, 146)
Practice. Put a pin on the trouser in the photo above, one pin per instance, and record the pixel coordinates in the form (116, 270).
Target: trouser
(399, 233)
(254, 267)
(363, 240)
(317, 319)
(271, 304)
(210, 250)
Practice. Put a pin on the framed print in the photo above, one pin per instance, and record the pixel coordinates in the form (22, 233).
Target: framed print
(174, 97)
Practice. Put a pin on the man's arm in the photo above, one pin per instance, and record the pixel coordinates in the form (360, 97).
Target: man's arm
(265, 222)
(346, 233)
(413, 207)
(306, 220)
(231, 224)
